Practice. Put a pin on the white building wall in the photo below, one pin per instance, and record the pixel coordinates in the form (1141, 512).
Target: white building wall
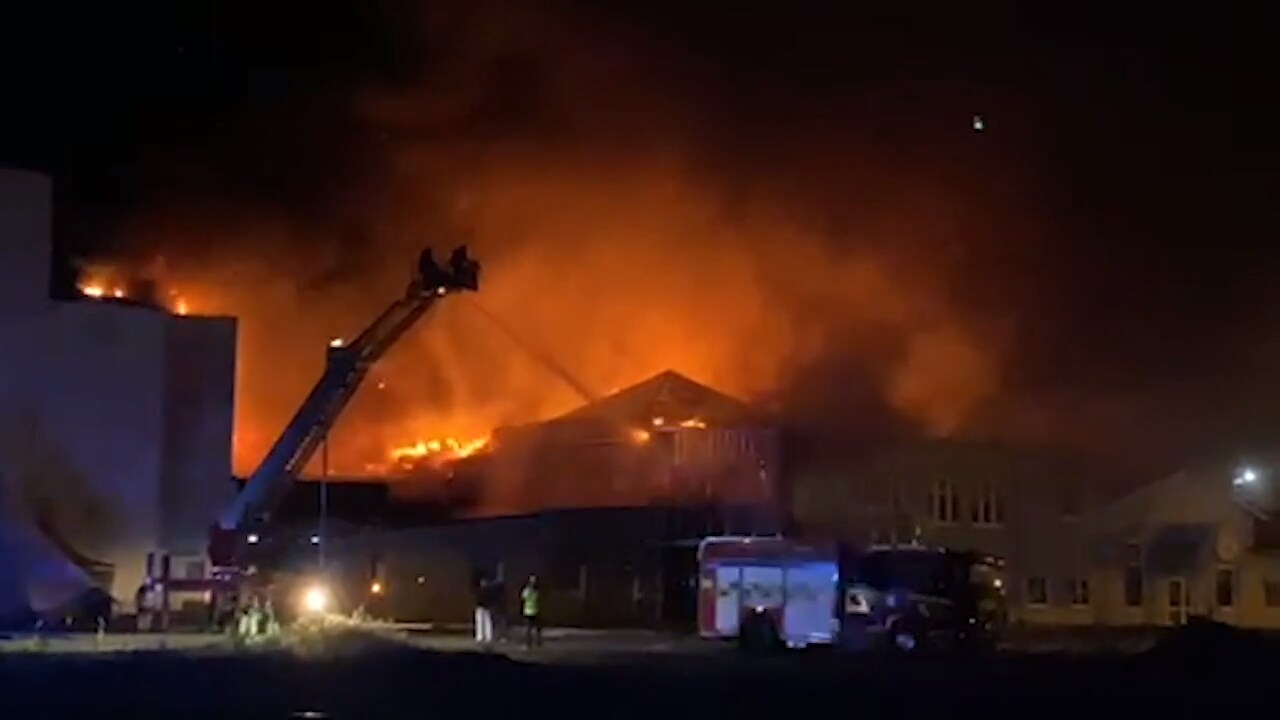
(115, 421)
(100, 411)
(199, 404)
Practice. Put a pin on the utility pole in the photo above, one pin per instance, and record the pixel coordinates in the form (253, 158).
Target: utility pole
(324, 495)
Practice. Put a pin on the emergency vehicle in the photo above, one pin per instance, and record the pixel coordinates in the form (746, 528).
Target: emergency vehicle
(772, 591)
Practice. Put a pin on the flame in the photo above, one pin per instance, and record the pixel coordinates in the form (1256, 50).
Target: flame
(448, 448)
(694, 423)
(104, 281)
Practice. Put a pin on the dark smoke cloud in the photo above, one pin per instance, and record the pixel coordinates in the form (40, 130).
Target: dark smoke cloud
(789, 206)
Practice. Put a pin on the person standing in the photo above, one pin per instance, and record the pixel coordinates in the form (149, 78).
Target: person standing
(530, 609)
(484, 611)
(498, 610)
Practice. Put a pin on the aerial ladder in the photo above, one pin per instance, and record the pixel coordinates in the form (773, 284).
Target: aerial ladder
(346, 366)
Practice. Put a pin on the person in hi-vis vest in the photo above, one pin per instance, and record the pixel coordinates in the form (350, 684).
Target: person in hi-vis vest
(530, 609)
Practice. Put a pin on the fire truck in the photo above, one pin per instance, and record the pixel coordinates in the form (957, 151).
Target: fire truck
(772, 592)
(240, 539)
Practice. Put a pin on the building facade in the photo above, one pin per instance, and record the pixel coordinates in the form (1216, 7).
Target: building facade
(665, 441)
(1081, 548)
(115, 417)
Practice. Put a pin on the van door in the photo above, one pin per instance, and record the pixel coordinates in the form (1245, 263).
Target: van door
(728, 600)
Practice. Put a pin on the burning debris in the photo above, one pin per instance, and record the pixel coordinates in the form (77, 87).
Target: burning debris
(432, 453)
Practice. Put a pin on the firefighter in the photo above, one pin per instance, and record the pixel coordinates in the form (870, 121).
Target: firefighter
(430, 273)
(463, 269)
(499, 610)
(531, 609)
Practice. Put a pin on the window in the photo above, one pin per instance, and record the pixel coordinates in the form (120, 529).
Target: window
(1133, 586)
(1078, 591)
(986, 508)
(1271, 593)
(1224, 584)
(1037, 591)
(944, 502)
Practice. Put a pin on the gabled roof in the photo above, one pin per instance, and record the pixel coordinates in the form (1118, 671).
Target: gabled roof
(668, 395)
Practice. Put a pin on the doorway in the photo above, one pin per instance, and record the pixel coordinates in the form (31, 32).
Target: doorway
(1179, 600)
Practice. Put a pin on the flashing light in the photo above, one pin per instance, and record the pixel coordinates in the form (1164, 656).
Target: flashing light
(253, 538)
(376, 588)
(979, 124)
(316, 599)
(336, 343)
(659, 421)
(315, 539)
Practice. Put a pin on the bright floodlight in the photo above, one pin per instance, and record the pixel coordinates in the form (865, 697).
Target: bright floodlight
(316, 599)
(253, 538)
(315, 539)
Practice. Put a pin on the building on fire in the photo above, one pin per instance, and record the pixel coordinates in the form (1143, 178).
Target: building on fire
(115, 421)
(604, 503)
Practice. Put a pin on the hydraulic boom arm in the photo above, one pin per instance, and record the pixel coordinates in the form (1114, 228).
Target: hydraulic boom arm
(346, 366)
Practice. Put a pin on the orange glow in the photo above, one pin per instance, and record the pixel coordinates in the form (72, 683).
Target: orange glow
(640, 436)
(180, 307)
(623, 255)
(117, 293)
(93, 291)
(693, 423)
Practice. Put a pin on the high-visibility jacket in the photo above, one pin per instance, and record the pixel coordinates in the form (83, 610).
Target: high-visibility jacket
(529, 601)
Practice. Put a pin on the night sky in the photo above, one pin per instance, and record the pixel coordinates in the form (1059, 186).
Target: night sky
(1110, 225)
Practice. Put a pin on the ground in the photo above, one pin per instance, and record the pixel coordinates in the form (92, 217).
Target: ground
(608, 675)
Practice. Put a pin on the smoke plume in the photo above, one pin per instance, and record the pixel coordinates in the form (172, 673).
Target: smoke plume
(636, 207)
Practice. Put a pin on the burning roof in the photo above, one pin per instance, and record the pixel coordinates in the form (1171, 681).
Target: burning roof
(667, 398)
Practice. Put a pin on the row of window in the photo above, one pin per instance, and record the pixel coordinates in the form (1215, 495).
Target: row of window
(1076, 590)
(986, 507)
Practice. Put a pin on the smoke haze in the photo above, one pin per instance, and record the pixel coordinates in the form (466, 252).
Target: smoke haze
(819, 228)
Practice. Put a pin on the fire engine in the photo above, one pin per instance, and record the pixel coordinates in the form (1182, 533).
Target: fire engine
(238, 539)
(767, 592)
